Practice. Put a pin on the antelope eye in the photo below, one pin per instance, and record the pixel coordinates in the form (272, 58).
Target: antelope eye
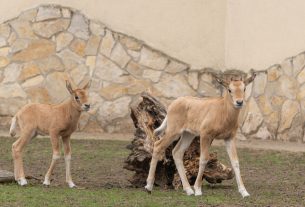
(76, 98)
(229, 90)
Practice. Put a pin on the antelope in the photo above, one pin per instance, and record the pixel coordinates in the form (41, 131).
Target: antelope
(59, 120)
(210, 118)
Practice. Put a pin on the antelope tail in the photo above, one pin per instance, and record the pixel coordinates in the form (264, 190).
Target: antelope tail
(13, 126)
(160, 130)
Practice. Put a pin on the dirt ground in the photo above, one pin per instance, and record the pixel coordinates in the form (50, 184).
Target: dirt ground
(273, 178)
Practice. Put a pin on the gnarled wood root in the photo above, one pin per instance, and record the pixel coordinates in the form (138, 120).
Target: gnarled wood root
(147, 115)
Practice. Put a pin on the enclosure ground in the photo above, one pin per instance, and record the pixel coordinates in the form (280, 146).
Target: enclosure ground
(273, 178)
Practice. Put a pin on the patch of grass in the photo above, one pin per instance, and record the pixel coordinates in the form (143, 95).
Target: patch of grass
(272, 178)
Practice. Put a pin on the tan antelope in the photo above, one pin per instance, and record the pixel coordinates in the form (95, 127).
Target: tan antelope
(209, 118)
(58, 120)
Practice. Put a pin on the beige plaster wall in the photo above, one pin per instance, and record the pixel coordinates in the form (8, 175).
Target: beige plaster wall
(190, 30)
(260, 33)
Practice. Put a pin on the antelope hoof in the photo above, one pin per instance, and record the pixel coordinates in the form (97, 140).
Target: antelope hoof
(22, 182)
(46, 182)
(71, 184)
(244, 193)
(148, 188)
(198, 191)
(189, 191)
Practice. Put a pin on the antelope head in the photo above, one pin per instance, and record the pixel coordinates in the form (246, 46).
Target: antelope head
(236, 89)
(79, 96)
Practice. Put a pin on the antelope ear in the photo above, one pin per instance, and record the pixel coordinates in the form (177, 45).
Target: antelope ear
(250, 79)
(221, 81)
(87, 86)
(69, 87)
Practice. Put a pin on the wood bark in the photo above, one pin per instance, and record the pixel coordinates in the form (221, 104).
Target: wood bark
(147, 115)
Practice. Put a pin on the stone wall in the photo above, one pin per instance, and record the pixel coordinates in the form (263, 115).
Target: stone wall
(44, 46)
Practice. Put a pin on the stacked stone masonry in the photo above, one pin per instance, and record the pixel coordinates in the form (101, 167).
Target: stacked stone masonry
(46, 45)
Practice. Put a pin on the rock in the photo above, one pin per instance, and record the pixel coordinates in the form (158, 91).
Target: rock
(56, 86)
(11, 73)
(50, 64)
(274, 72)
(130, 43)
(259, 84)
(263, 134)
(66, 13)
(12, 38)
(152, 59)
(207, 77)
(174, 86)
(301, 77)
(79, 73)
(79, 26)
(78, 46)
(301, 93)
(97, 28)
(36, 81)
(298, 63)
(6, 176)
(122, 124)
(83, 121)
(28, 15)
(287, 67)
(272, 122)
(10, 106)
(63, 40)
(48, 28)
(90, 63)
(240, 136)
(175, 67)
(135, 55)
(38, 95)
(5, 30)
(107, 44)
(4, 61)
(119, 55)
(248, 91)
(11, 91)
(19, 44)
(48, 12)
(92, 45)
(253, 119)
(28, 71)
(107, 70)
(192, 78)
(264, 105)
(2, 42)
(96, 101)
(206, 86)
(111, 110)
(153, 75)
(289, 87)
(131, 87)
(277, 102)
(70, 59)
(289, 110)
(4, 51)
(23, 29)
(295, 132)
(37, 49)
(135, 69)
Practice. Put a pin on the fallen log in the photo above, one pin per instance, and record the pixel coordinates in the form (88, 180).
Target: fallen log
(147, 115)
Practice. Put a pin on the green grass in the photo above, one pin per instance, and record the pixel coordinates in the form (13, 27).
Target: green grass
(272, 178)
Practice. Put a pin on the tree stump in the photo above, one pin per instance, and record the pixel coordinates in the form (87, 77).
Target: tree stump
(147, 115)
